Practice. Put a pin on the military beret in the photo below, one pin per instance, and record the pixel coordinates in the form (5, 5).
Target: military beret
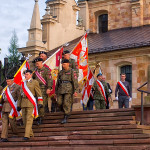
(42, 52)
(99, 74)
(37, 59)
(9, 77)
(28, 71)
(65, 61)
(66, 52)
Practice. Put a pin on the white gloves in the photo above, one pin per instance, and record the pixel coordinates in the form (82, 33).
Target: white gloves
(81, 101)
(109, 90)
(117, 98)
(130, 99)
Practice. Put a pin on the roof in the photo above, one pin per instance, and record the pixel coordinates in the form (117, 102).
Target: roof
(119, 39)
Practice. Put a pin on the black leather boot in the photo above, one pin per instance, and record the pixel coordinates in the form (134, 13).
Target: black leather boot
(39, 120)
(65, 119)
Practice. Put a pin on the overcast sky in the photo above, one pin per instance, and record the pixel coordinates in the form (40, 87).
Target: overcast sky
(16, 15)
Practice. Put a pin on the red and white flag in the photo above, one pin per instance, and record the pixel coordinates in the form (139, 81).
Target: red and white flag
(19, 76)
(80, 54)
(53, 63)
(99, 83)
(123, 88)
(86, 91)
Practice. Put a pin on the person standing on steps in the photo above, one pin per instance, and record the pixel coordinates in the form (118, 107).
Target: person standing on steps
(100, 90)
(9, 98)
(51, 99)
(30, 90)
(66, 87)
(124, 92)
(43, 76)
(72, 64)
(110, 91)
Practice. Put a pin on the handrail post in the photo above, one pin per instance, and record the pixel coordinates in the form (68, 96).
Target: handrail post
(142, 108)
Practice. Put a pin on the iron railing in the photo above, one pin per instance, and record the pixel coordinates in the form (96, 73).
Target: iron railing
(142, 108)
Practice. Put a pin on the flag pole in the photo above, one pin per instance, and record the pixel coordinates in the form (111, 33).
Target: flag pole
(52, 55)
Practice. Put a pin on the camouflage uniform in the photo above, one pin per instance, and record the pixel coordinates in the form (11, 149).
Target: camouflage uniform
(98, 97)
(27, 106)
(6, 109)
(46, 74)
(74, 66)
(65, 87)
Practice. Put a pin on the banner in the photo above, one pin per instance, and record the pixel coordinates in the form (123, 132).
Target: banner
(86, 91)
(19, 76)
(53, 63)
(80, 55)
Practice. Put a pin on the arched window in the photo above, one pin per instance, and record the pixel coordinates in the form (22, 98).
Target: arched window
(103, 23)
(128, 71)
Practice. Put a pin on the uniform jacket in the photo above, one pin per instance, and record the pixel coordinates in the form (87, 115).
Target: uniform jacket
(34, 87)
(97, 94)
(46, 74)
(66, 82)
(15, 92)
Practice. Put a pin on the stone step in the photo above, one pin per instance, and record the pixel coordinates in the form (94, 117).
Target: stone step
(122, 142)
(54, 129)
(83, 137)
(118, 118)
(82, 124)
(86, 132)
(106, 147)
(93, 112)
(96, 115)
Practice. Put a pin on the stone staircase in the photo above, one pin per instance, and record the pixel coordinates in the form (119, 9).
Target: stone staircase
(86, 130)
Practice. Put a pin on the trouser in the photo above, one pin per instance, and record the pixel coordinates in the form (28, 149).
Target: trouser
(123, 101)
(5, 122)
(44, 109)
(89, 105)
(107, 106)
(100, 104)
(65, 100)
(27, 121)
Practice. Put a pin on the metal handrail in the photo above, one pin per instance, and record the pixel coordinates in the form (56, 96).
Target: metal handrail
(142, 91)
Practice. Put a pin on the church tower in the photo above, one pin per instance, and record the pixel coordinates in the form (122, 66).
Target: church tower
(59, 23)
(34, 44)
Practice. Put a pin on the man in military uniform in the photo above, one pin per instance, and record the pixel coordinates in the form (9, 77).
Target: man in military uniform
(98, 96)
(52, 99)
(43, 76)
(26, 105)
(72, 63)
(6, 109)
(66, 86)
(43, 55)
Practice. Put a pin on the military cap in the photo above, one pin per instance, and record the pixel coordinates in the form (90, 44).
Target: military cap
(99, 74)
(65, 61)
(37, 59)
(9, 77)
(66, 52)
(42, 52)
(28, 71)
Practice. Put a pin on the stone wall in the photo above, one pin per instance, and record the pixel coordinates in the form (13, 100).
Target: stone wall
(121, 13)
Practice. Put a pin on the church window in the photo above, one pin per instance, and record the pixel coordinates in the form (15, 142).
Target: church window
(103, 23)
